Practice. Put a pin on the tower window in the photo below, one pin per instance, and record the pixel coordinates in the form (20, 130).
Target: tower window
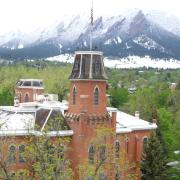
(91, 153)
(74, 96)
(22, 153)
(26, 98)
(12, 154)
(96, 96)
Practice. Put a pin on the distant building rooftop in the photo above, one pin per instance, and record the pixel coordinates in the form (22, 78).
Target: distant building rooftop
(30, 83)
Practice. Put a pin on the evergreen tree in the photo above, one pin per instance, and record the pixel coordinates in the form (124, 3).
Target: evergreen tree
(154, 164)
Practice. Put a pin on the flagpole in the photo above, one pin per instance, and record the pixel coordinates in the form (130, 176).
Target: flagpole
(91, 27)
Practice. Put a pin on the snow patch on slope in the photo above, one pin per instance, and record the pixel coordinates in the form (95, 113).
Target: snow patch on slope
(148, 43)
(65, 58)
(116, 40)
(137, 62)
(126, 63)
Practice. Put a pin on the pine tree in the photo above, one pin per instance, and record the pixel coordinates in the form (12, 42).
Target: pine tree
(154, 164)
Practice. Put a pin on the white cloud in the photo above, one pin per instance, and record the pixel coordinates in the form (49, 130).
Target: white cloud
(29, 14)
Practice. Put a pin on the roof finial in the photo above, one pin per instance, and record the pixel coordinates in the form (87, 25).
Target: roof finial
(91, 28)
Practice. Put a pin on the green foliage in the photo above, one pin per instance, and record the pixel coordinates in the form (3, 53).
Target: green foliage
(46, 155)
(154, 165)
(55, 77)
(165, 125)
(6, 97)
(143, 101)
(119, 96)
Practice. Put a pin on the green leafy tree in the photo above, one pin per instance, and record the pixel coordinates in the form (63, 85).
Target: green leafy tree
(47, 155)
(164, 122)
(154, 164)
(119, 96)
(6, 97)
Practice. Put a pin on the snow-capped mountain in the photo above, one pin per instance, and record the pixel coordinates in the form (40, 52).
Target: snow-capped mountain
(135, 32)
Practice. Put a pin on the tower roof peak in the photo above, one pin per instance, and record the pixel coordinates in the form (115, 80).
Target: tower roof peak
(88, 65)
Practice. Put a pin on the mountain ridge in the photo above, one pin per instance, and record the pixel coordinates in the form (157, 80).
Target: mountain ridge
(132, 33)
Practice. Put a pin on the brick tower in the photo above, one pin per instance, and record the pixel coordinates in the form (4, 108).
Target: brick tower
(87, 103)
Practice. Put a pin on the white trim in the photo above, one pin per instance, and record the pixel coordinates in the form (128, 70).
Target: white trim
(89, 52)
(80, 66)
(46, 120)
(33, 132)
(90, 71)
(29, 87)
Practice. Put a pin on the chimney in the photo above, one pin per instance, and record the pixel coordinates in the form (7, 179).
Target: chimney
(16, 102)
(137, 114)
(154, 121)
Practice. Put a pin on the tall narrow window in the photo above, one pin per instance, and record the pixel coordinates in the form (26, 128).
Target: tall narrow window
(117, 149)
(74, 96)
(102, 176)
(26, 98)
(22, 154)
(145, 141)
(96, 96)
(91, 154)
(117, 176)
(51, 153)
(61, 152)
(12, 176)
(12, 154)
(102, 153)
(22, 175)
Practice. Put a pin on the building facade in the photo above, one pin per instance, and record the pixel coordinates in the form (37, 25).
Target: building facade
(117, 155)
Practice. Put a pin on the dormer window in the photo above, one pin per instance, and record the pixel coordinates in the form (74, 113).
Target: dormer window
(96, 96)
(74, 96)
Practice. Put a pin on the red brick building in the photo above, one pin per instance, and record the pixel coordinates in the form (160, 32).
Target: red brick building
(85, 112)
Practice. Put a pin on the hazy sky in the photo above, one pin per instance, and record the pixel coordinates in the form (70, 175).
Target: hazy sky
(25, 15)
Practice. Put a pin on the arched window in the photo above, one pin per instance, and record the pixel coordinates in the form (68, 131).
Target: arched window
(26, 98)
(96, 96)
(117, 149)
(127, 145)
(12, 176)
(22, 153)
(74, 96)
(117, 176)
(145, 141)
(102, 176)
(102, 153)
(91, 153)
(90, 178)
(61, 152)
(51, 153)
(12, 154)
(22, 175)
